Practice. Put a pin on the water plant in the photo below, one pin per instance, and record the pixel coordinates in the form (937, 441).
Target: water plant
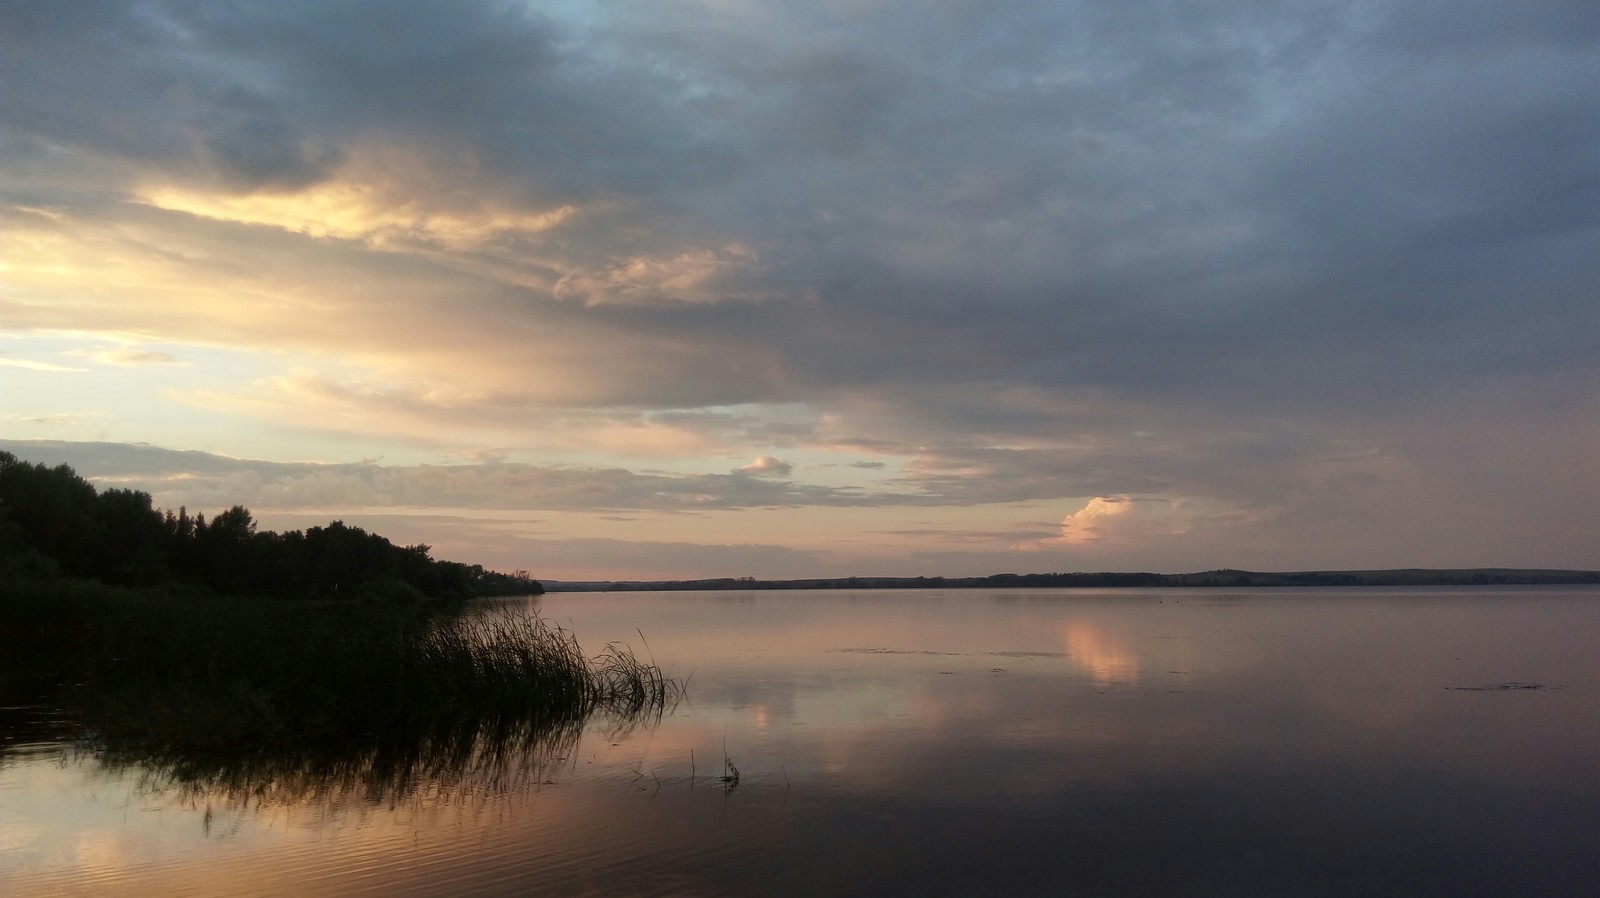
(164, 672)
(730, 774)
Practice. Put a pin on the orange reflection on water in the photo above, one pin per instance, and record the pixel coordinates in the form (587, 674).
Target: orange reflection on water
(1105, 659)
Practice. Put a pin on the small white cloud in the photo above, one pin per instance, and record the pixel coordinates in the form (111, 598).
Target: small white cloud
(1092, 522)
(766, 466)
(1124, 520)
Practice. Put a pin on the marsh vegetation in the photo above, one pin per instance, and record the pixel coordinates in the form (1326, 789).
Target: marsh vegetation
(161, 671)
(258, 700)
(215, 653)
(483, 702)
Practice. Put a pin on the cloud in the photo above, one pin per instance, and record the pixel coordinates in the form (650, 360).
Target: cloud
(126, 357)
(880, 190)
(1096, 520)
(663, 560)
(766, 466)
(1357, 511)
(1111, 522)
(66, 419)
(203, 480)
(510, 545)
(49, 367)
(996, 538)
(414, 412)
(1253, 258)
(695, 276)
(378, 215)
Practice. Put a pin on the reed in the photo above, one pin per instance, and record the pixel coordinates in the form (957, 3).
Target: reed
(172, 673)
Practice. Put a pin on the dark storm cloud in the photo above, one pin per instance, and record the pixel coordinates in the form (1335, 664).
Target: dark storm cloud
(269, 96)
(1153, 175)
(129, 86)
(1318, 200)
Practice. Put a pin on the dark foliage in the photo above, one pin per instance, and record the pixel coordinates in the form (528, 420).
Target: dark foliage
(211, 686)
(53, 522)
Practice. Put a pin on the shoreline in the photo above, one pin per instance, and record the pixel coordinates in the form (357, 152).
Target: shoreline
(1112, 579)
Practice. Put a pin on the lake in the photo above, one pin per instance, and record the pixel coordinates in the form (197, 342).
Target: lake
(1427, 741)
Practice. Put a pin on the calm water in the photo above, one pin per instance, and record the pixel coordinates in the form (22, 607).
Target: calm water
(1162, 742)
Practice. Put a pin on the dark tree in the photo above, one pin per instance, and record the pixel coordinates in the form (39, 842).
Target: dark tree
(54, 522)
(133, 539)
(54, 511)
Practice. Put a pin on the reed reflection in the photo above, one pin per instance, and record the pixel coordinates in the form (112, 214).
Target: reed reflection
(462, 764)
(254, 702)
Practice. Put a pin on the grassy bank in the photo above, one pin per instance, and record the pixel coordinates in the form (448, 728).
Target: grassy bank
(166, 672)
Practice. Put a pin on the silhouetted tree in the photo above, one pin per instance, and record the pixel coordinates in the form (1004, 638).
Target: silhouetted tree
(54, 510)
(53, 521)
(133, 539)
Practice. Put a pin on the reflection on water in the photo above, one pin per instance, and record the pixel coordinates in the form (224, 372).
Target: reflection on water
(466, 765)
(1102, 657)
(1114, 742)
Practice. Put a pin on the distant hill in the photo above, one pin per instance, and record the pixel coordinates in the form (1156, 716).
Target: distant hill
(1224, 577)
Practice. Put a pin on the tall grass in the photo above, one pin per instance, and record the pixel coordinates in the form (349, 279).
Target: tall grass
(205, 677)
(498, 654)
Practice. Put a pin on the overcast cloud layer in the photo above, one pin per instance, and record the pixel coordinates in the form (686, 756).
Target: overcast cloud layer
(933, 287)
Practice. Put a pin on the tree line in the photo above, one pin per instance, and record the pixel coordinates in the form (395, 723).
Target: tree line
(54, 523)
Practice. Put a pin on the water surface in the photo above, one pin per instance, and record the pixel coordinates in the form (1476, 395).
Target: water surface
(1026, 742)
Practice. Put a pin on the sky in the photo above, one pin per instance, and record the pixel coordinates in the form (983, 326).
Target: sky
(721, 288)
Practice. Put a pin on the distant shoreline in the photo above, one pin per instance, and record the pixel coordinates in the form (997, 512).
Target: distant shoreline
(1225, 577)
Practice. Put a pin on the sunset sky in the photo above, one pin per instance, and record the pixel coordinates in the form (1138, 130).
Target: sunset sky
(694, 289)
